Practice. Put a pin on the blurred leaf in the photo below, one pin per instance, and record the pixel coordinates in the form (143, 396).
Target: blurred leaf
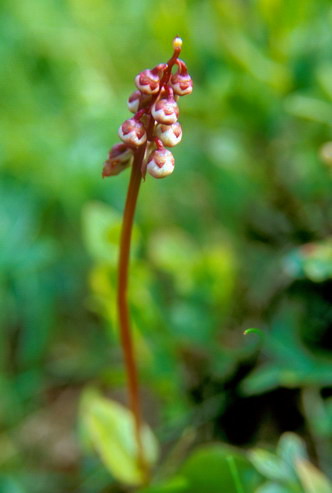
(174, 251)
(291, 364)
(178, 484)
(208, 470)
(272, 488)
(11, 485)
(312, 260)
(263, 379)
(269, 465)
(110, 427)
(309, 108)
(101, 229)
(312, 479)
(291, 448)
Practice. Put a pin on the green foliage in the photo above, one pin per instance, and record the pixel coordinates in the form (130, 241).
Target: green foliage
(213, 468)
(289, 469)
(238, 237)
(216, 468)
(110, 428)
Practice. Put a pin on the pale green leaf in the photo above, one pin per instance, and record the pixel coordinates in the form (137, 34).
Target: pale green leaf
(313, 481)
(269, 465)
(110, 428)
(291, 448)
(272, 488)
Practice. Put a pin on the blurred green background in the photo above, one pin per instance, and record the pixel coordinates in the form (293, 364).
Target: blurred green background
(238, 237)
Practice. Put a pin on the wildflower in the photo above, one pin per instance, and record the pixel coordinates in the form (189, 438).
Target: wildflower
(119, 158)
(154, 124)
(160, 163)
(132, 132)
(170, 135)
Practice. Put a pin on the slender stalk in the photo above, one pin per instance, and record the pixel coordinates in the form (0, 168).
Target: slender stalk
(235, 474)
(122, 301)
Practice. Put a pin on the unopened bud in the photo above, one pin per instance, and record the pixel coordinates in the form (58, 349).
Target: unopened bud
(132, 132)
(165, 111)
(177, 43)
(170, 135)
(181, 84)
(119, 158)
(160, 163)
(138, 100)
(148, 81)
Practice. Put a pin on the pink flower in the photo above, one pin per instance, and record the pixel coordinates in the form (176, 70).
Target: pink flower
(137, 100)
(132, 132)
(170, 135)
(148, 81)
(181, 84)
(160, 163)
(119, 158)
(165, 111)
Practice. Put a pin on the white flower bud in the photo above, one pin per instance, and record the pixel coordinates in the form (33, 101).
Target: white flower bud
(133, 101)
(160, 163)
(138, 100)
(148, 81)
(132, 132)
(165, 111)
(170, 135)
(181, 84)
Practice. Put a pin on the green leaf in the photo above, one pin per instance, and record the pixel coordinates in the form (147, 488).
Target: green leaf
(311, 260)
(313, 481)
(208, 469)
(110, 428)
(291, 448)
(272, 488)
(178, 484)
(101, 231)
(269, 465)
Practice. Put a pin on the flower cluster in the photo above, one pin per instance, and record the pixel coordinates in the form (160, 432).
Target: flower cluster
(155, 122)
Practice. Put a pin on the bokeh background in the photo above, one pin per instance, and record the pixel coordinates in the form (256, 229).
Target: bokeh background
(238, 237)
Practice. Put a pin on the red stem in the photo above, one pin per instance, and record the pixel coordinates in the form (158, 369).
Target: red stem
(123, 267)
(122, 302)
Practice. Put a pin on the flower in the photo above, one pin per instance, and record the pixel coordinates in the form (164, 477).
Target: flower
(181, 83)
(132, 132)
(165, 110)
(119, 158)
(148, 81)
(160, 163)
(137, 100)
(170, 135)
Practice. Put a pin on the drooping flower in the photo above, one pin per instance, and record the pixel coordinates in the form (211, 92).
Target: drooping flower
(160, 163)
(119, 158)
(132, 132)
(165, 110)
(170, 135)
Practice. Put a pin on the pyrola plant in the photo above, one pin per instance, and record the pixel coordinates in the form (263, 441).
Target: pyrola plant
(145, 138)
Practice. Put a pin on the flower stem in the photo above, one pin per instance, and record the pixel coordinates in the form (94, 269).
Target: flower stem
(122, 302)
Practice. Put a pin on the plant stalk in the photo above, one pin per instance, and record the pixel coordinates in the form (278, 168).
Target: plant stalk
(122, 302)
